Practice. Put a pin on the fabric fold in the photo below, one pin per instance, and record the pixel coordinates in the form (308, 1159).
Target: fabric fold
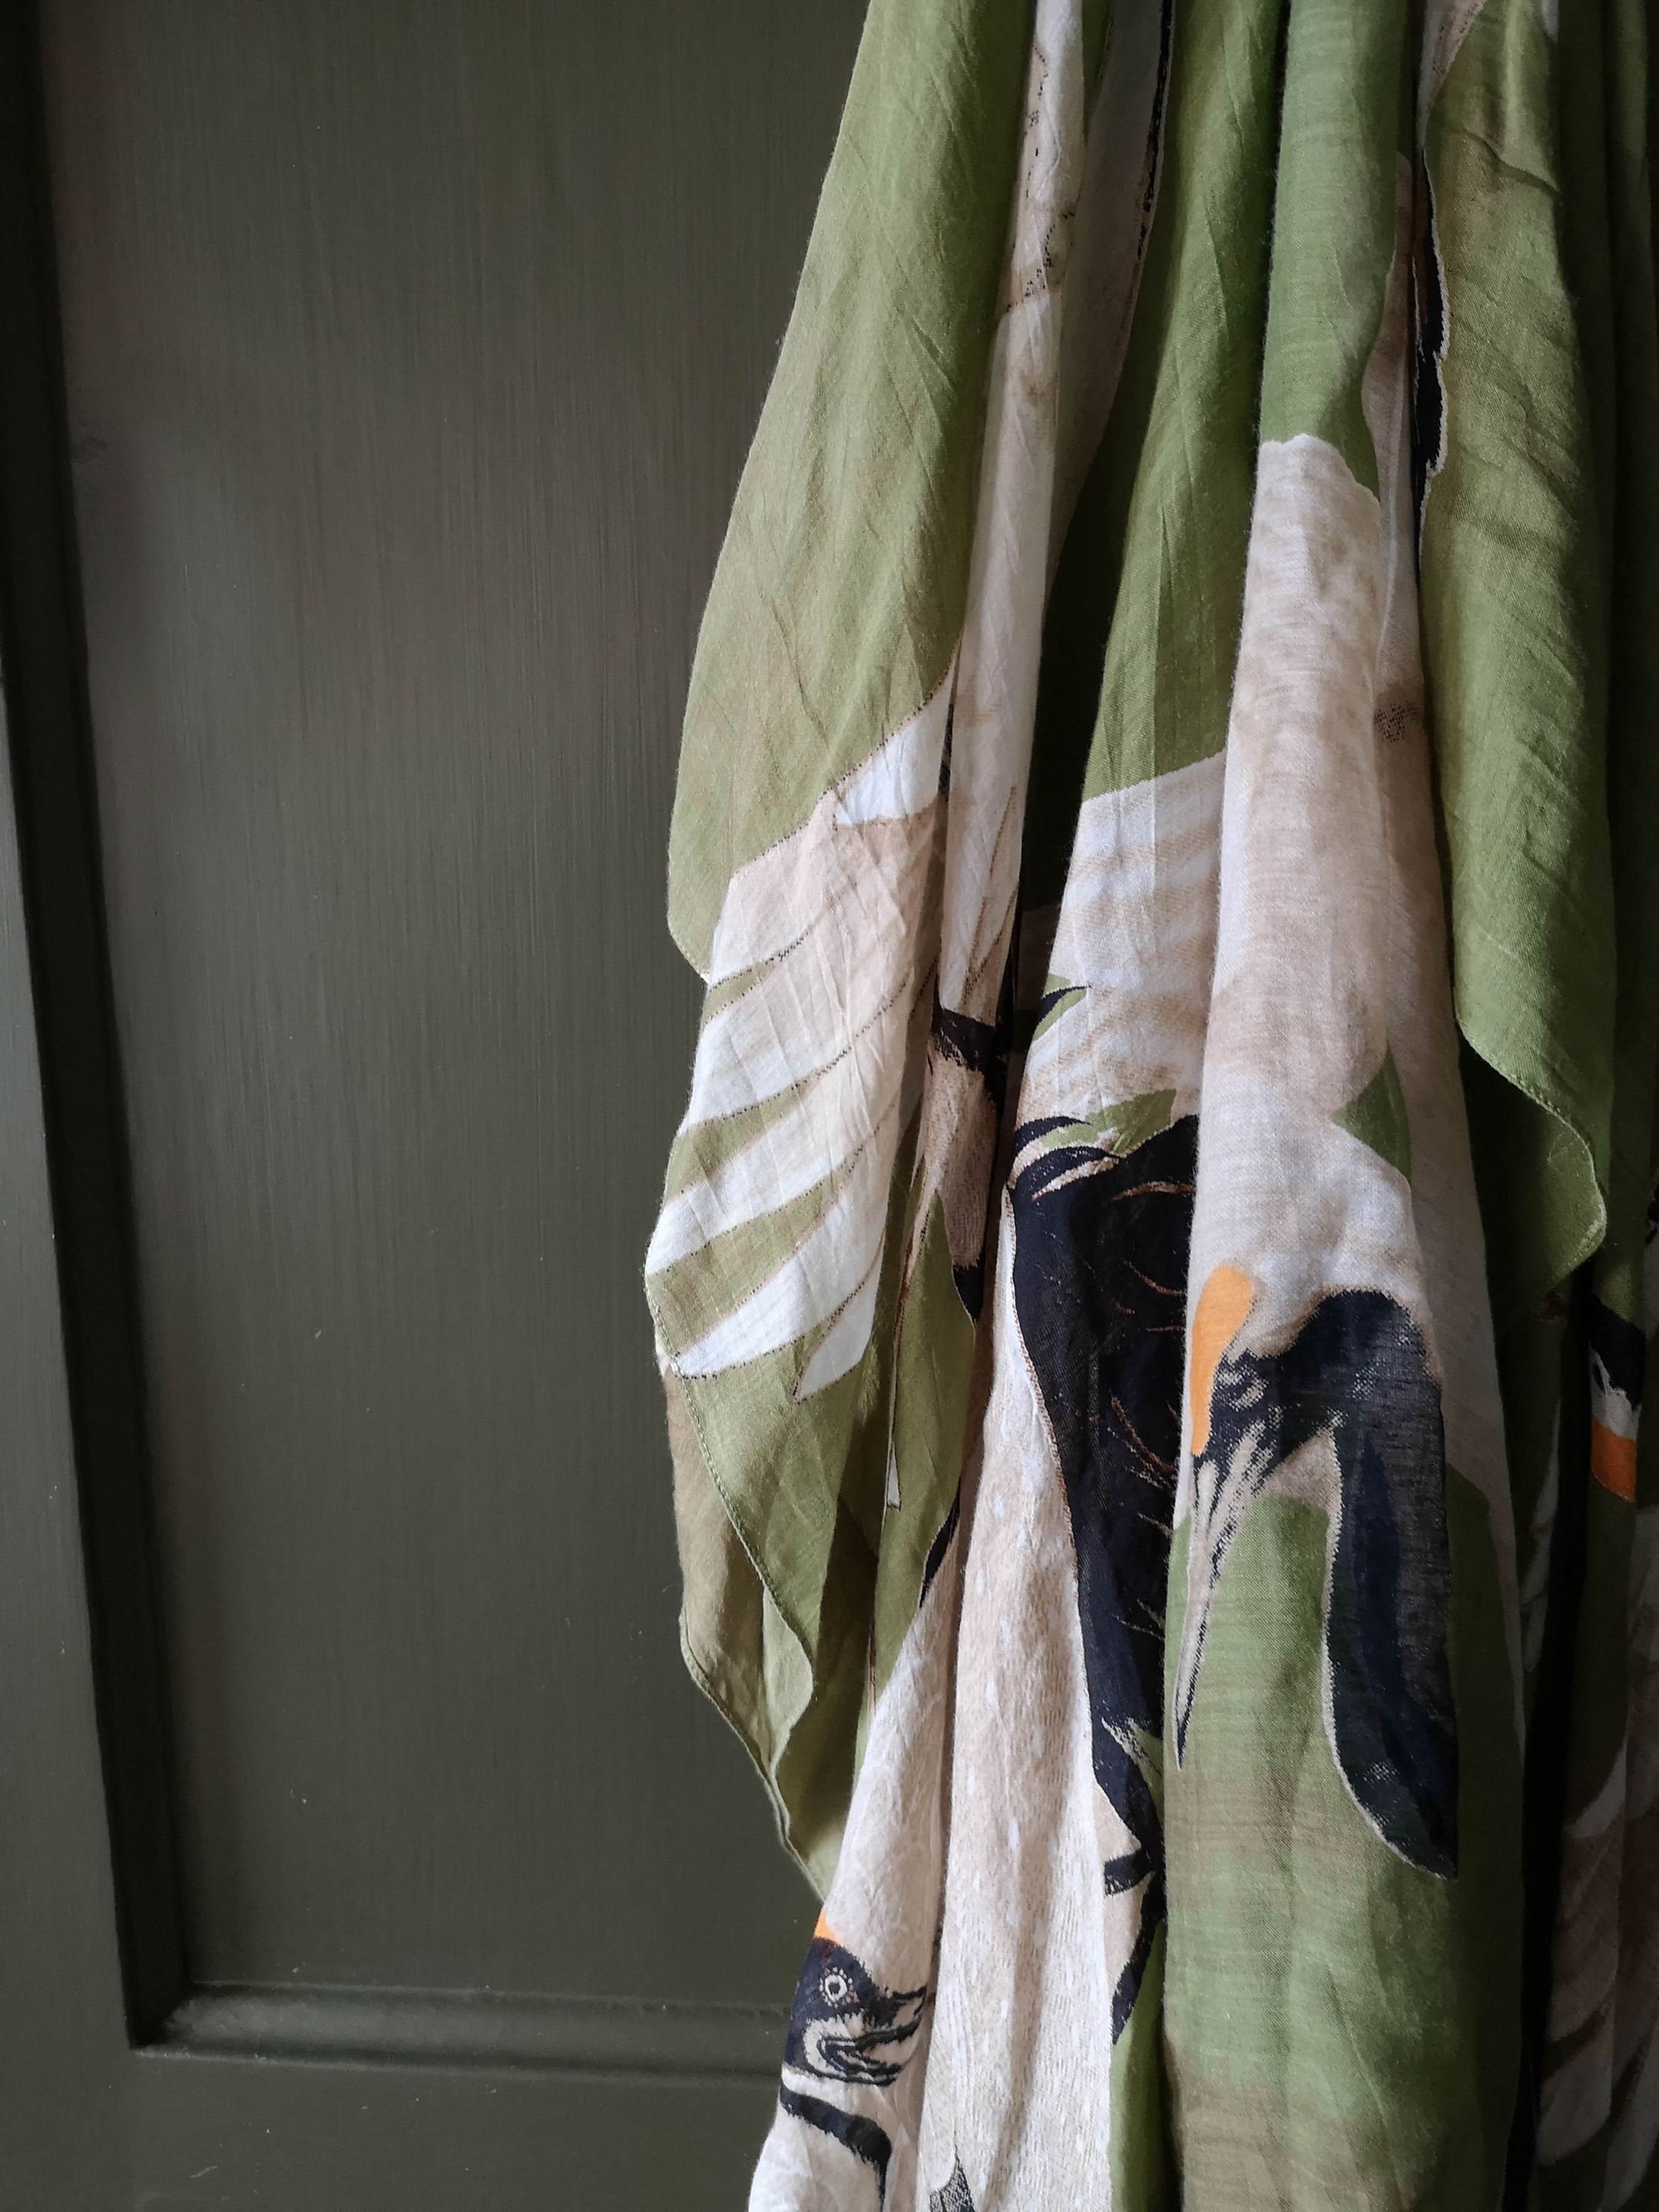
(1154, 1279)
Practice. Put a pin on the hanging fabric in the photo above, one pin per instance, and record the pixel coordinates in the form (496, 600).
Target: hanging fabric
(1149, 1283)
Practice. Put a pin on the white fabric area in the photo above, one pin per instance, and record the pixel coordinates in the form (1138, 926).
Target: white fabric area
(882, 1905)
(824, 1020)
(1137, 933)
(1031, 1946)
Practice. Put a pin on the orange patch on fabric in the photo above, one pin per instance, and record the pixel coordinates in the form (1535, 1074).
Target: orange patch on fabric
(823, 1933)
(1612, 1461)
(1221, 1305)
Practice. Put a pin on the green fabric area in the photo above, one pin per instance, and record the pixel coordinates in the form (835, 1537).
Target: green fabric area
(1378, 1118)
(1634, 670)
(1097, 17)
(1059, 998)
(1155, 551)
(1118, 1128)
(840, 590)
(1539, 1200)
(745, 1657)
(806, 1516)
(1334, 221)
(698, 1151)
(690, 1295)
(1514, 647)
(1341, 2028)
(1144, 2173)
(930, 1413)
(1612, 764)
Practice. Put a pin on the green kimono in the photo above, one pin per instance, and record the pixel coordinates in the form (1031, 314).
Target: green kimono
(1149, 1283)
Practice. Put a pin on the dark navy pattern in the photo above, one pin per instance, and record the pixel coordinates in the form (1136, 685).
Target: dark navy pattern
(1357, 1371)
(844, 2028)
(1100, 1288)
(1428, 338)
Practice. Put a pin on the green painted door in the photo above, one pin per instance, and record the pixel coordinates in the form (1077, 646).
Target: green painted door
(374, 378)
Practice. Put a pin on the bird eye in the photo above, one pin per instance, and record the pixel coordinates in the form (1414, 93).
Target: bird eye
(836, 1987)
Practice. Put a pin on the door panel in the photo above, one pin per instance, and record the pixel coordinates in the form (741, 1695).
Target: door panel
(408, 357)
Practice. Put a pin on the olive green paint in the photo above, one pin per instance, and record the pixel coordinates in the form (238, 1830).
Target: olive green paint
(409, 362)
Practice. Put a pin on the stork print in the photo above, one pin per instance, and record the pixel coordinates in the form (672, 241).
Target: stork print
(843, 2026)
(1355, 1372)
(851, 2035)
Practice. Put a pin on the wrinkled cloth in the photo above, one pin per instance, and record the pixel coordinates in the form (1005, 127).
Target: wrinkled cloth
(1153, 1283)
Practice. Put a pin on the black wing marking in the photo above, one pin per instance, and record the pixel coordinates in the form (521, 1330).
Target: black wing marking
(954, 2196)
(1100, 1288)
(862, 2137)
(1357, 1370)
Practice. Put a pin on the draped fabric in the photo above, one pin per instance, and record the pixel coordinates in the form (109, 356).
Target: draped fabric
(1149, 1283)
